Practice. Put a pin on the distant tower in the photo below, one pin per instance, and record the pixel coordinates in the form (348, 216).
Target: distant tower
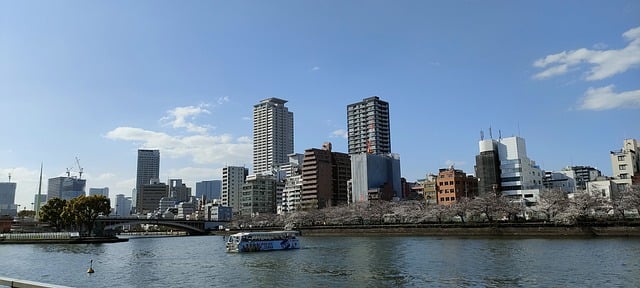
(7, 198)
(368, 123)
(148, 169)
(272, 134)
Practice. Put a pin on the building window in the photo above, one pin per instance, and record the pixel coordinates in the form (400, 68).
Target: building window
(621, 158)
(624, 176)
(453, 198)
(622, 166)
(441, 199)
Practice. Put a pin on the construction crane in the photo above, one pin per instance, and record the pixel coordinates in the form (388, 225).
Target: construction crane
(79, 168)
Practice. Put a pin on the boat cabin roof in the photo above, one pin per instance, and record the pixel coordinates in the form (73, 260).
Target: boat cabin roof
(266, 233)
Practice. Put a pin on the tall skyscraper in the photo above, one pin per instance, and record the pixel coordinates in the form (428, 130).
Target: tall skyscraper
(375, 171)
(233, 178)
(272, 134)
(148, 169)
(368, 124)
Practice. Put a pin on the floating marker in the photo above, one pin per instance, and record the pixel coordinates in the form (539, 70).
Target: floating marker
(90, 267)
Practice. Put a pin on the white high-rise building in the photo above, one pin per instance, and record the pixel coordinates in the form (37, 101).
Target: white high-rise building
(272, 135)
(233, 178)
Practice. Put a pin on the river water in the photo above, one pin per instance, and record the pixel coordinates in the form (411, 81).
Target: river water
(333, 261)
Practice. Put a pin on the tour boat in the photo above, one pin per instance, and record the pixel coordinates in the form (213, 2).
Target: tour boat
(263, 241)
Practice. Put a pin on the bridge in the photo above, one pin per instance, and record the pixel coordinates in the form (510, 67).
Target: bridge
(192, 227)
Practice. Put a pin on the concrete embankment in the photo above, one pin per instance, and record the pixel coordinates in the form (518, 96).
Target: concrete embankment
(477, 231)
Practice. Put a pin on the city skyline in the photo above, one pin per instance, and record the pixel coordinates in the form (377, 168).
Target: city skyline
(98, 81)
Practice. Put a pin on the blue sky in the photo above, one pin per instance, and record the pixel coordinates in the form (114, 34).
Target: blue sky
(97, 80)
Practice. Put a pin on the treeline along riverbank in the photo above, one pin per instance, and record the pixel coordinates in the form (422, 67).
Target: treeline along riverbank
(591, 229)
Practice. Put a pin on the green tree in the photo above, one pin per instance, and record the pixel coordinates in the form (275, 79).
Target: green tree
(52, 213)
(85, 210)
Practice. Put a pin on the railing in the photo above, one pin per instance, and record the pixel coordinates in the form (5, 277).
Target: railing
(10, 282)
(32, 236)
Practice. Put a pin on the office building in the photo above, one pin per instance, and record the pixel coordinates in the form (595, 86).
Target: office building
(368, 127)
(179, 191)
(99, 191)
(123, 205)
(581, 175)
(233, 178)
(259, 195)
(209, 190)
(150, 195)
(375, 177)
(272, 135)
(66, 188)
(513, 174)
(325, 175)
(8, 198)
(560, 181)
(148, 169)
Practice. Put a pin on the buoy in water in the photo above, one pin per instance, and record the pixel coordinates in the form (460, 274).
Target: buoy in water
(90, 267)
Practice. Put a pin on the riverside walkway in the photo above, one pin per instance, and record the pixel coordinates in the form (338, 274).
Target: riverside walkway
(10, 282)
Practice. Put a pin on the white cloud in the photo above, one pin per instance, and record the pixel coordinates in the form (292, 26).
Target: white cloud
(340, 133)
(180, 117)
(315, 68)
(202, 149)
(604, 63)
(223, 100)
(604, 98)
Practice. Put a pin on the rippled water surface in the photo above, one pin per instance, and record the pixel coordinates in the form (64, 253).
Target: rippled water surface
(336, 261)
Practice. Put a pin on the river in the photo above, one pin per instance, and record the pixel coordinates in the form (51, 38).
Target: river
(333, 261)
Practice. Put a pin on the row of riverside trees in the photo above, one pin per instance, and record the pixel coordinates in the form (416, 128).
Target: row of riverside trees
(78, 214)
(553, 206)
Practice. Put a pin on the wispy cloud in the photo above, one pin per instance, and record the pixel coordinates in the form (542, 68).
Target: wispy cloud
(604, 98)
(340, 133)
(181, 117)
(202, 149)
(315, 68)
(223, 100)
(604, 63)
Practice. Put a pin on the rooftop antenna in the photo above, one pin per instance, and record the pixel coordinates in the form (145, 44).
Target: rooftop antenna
(490, 133)
(9, 177)
(499, 134)
(481, 135)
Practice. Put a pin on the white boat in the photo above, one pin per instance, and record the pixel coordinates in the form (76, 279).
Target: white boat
(263, 241)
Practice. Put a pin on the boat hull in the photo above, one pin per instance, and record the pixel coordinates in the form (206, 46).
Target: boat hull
(256, 246)
(265, 241)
